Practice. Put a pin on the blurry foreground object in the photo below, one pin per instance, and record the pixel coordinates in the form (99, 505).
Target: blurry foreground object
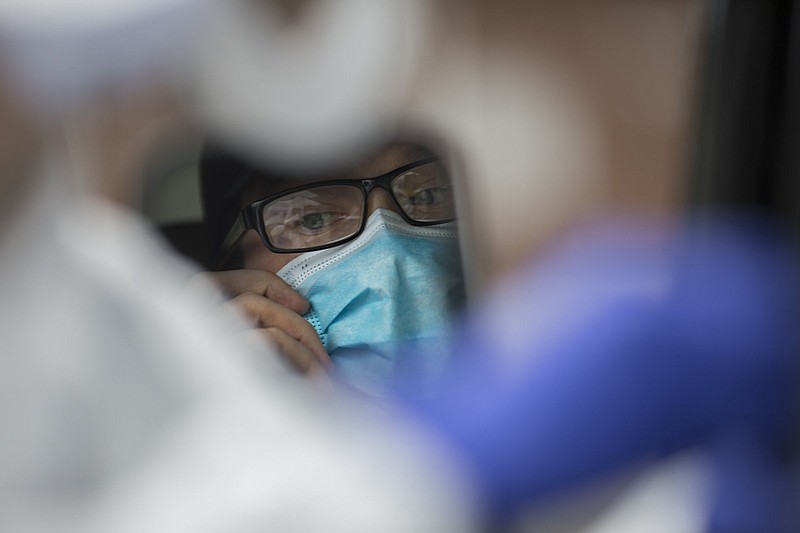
(558, 110)
(125, 408)
(625, 344)
(313, 88)
(128, 409)
(647, 329)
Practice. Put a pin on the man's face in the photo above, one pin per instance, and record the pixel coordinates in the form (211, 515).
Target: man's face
(256, 256)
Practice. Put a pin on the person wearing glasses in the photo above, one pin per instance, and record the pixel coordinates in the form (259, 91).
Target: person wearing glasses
(340, 269)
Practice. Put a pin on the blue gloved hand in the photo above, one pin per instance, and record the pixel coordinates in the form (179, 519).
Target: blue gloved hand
(631, 342)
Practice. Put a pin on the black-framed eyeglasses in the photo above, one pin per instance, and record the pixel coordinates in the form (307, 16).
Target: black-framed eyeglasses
(325, 214)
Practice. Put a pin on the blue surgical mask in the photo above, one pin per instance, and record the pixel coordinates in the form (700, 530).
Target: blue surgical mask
(395, 285)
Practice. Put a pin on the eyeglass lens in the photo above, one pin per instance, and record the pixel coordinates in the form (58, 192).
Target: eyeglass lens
(327, 214)
(425, 193)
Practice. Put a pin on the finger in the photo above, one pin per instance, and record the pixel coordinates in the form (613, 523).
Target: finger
(265, 313)
(297, 356)
(300, 357)
(264, 283)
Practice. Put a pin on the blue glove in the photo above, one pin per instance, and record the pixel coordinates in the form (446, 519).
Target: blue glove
(630, 342)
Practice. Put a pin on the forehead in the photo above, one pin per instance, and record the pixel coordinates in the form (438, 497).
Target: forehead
(375, 164)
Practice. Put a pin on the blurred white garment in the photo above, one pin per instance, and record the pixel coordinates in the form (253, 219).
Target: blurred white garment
(312, 92)
(126, 408)
(302, 94)
(64, 55)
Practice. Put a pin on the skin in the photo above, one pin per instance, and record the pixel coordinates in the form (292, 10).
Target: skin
(274, 308)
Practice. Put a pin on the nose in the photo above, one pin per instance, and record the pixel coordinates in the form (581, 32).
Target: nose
(379, 199)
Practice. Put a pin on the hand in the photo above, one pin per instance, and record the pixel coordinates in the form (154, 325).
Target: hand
(275, 310)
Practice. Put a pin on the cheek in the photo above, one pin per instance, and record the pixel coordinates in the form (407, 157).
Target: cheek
(256, 256)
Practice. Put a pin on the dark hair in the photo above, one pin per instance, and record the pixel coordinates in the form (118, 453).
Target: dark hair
(223, 176)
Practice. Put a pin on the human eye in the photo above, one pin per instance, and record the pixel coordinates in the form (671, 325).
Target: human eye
(315, 223)
(430, 196)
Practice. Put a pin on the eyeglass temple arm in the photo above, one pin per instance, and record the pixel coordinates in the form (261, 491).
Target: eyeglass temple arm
(231, 241)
